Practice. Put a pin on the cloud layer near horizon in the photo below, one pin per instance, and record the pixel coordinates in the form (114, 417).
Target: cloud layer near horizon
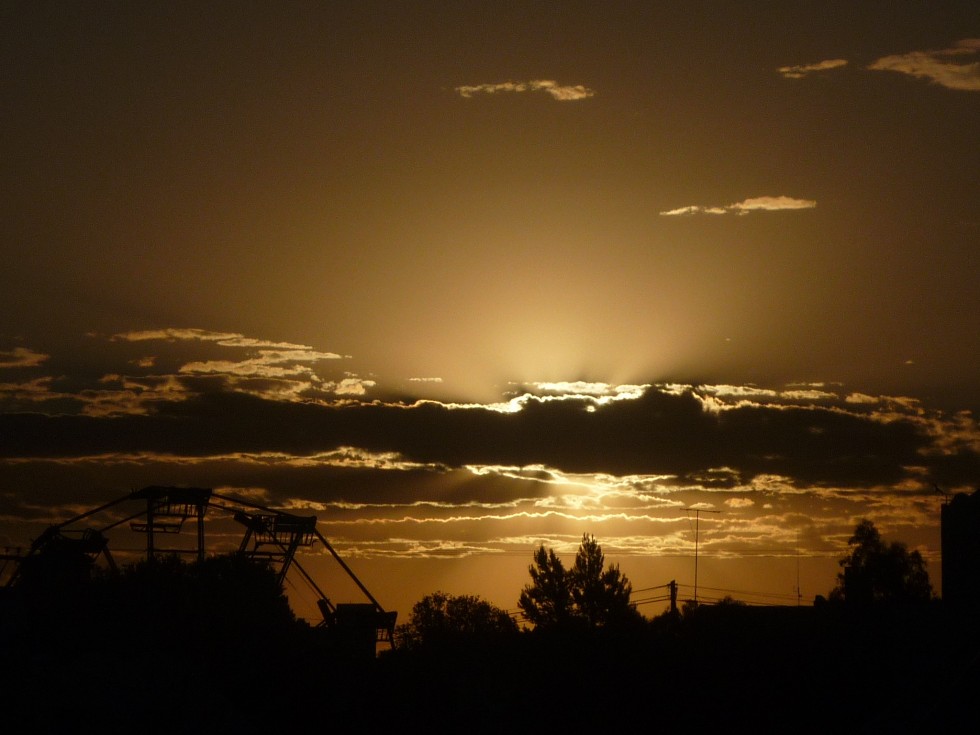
(392, 478)
(276, 401)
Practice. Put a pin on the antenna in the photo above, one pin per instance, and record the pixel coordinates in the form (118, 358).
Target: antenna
(799, 592)
(697, 528)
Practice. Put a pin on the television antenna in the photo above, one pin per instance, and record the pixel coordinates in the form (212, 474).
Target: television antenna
(697, 527)
(799, 591)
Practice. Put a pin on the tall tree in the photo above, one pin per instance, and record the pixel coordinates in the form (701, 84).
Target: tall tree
(547, 600)
(588, 592)
(875, 571)
(601, 595)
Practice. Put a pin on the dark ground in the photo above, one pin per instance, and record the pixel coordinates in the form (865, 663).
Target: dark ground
(110, 666)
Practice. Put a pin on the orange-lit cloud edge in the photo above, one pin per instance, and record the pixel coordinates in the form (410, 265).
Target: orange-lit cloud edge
(953, 67)
(559, 92)
(790, 468)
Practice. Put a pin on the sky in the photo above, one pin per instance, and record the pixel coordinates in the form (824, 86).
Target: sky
(465, 278)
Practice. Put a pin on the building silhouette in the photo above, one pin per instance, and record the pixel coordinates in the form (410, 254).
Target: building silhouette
(960, 528)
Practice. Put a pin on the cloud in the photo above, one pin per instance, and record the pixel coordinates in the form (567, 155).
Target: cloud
(754, 204)
(37, 390)
(269, 369)
(801, 70)
(620, 458)
(771, 204)
(127, 395)
(693, 209)
(272, 400)
(683, 433)
(21, 357)
(225, 339)
(186, 363)
(353, 386)
(941, 67)
(400, 480)
(562, 93)
(265, 363)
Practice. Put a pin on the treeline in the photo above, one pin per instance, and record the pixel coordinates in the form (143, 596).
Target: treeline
(213, 647)
(879, 653)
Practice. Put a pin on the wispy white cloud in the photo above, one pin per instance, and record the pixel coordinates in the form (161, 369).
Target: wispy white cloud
(560, 92)
(268, 363)
(287, 367)
(126, 395)
(38, 389)
(271, 370)
(591, 394)
(942, 67)
(353, 386)
(21, 357)
(754, 204)
(601, 392)
(808, 395)
(344, 457)
(771, 204)
(738, 391)
(115, 395)
(801, 70)
(225, 339)
(693, 209)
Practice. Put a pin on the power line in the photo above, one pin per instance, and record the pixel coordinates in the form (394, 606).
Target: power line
(657, 587)
(746, 593)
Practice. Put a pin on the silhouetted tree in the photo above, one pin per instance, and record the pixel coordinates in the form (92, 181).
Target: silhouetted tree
(441, 618)
(547, 601)
(587, 592)
(601, 596)
(878, 572)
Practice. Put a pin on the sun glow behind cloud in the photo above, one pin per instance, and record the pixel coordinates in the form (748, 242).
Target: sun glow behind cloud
(530, 488)
(550, 460)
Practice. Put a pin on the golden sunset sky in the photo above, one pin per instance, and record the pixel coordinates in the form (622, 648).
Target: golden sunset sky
(463, 278)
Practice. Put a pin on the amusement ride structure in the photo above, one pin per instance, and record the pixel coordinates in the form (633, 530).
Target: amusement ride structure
(162, 514)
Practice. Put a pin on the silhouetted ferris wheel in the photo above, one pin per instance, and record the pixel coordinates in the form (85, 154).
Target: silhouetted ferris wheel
(67, 551)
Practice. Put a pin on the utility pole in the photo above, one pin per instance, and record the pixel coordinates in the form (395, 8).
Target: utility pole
(799, 592)
(697, 529)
